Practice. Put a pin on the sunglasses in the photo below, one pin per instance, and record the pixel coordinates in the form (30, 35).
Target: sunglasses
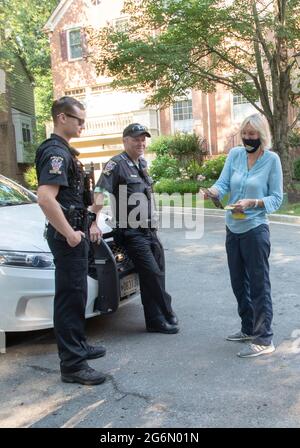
(81, 121)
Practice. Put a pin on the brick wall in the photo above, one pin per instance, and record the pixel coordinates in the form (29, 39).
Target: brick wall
(67, 74)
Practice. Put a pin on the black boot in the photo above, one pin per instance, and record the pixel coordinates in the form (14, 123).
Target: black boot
(94, 352)
(172, 318)
(161, 325)
(86, 376)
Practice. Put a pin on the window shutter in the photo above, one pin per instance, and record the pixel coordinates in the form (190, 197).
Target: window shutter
(63, 45)
(84, 44)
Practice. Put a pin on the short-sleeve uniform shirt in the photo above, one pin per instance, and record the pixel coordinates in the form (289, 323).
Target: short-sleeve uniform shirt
(57, 164)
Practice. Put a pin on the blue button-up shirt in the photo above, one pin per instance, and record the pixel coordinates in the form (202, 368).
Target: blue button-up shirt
(262, 181)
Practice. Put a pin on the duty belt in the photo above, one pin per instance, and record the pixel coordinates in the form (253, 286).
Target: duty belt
(79, 218)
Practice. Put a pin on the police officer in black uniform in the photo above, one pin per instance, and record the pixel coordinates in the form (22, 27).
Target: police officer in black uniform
(125, 176)
(63, 199)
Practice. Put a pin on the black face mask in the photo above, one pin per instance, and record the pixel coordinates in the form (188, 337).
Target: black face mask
(251, 145)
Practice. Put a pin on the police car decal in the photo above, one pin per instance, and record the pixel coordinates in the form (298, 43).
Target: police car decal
(109, 167)
(56, 164)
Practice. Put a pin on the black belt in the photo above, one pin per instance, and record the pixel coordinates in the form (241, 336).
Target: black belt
(140, 228)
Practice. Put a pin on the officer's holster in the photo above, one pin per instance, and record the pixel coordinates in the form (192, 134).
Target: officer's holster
(108, 280)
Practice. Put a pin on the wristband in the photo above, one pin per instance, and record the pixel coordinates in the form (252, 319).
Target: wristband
(256, 203)
(93, 216)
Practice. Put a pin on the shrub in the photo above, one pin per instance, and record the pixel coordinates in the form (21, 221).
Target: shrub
(31, 178)
(187, 147)
(294, 138)
(212, 168)
(182, 147)
(297, 169)
(193, 169)
(171, 186)
(164, 167)
(161, 145)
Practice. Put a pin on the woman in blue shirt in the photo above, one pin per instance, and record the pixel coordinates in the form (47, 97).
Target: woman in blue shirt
(252, 175)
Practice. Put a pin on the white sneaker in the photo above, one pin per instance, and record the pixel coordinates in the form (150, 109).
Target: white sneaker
(256, 350)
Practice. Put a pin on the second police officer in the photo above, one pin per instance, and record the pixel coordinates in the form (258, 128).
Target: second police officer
(126, 178)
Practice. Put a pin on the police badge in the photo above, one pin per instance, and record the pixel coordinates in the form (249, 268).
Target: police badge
(56, 163)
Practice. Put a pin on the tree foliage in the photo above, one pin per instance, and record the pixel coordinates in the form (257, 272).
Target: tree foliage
(21, 32)
(171, 46)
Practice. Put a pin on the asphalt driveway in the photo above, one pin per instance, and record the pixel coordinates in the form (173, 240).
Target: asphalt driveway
(191, 379)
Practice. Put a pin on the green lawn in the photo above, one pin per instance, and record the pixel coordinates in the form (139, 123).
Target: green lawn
(195, 201)
(290, 209)
(177, 201)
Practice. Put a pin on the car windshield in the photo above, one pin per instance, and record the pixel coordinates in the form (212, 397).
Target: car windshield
(13, 194)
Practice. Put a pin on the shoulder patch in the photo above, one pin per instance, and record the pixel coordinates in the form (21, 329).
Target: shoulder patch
(56, 163)
(109, 167)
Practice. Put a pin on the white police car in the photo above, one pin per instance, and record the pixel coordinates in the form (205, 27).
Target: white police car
(27, 269)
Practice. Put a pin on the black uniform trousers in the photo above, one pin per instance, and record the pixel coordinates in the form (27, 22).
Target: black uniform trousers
(71, 269)
(146, 252)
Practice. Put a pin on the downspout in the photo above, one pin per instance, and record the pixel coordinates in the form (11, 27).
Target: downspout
(208, 125)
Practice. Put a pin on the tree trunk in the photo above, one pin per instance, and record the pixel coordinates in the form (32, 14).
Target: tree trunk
(280, 129)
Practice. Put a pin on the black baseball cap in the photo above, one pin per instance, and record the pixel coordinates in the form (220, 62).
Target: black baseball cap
(135, 129)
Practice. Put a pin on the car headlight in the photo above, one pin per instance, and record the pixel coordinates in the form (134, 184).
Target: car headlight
(26, 259)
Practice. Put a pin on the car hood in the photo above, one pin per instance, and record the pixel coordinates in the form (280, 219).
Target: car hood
(22, 228)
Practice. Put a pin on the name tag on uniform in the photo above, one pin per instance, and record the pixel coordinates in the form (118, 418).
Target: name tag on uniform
(133, 175)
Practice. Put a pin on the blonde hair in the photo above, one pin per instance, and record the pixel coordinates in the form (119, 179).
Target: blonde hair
(260, 124)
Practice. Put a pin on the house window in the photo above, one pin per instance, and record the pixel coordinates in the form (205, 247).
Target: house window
(75, 47)
(183, 115)
(77, 93)
(26, 133)
(101, 88)
(182, 110)
(121, 24)
(238, 98)
(241, 107)
(23, 126)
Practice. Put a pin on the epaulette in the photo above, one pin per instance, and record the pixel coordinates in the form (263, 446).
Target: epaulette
(50, 143)
(117, 158)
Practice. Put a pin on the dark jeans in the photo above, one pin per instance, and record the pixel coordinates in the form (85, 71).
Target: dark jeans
(247, 255)
(146, 252)
(71, 267)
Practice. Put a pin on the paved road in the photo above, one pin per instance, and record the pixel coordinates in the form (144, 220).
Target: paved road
(192, 379)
